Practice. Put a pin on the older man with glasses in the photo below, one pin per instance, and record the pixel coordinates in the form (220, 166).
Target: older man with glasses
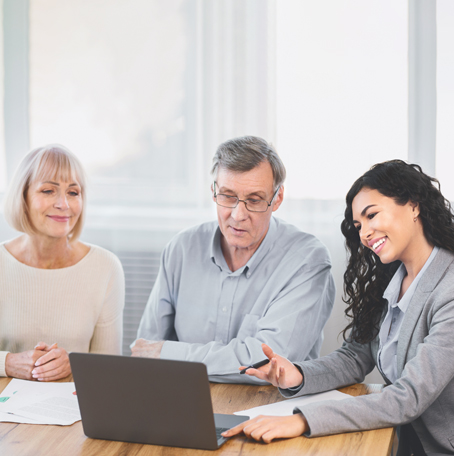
(226, 287)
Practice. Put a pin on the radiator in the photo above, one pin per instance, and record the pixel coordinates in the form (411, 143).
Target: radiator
(141, 269)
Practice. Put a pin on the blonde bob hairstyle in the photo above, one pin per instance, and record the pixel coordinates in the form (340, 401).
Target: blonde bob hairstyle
(49, 163)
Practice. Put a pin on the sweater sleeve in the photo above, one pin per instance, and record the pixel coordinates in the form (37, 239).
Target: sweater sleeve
(2, 363)
(108, 333)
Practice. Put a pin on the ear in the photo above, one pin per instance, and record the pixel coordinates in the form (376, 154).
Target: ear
(212, 191)
(415, 209)
(279, 198)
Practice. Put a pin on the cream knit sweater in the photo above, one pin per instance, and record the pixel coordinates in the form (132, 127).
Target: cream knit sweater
(79, 307)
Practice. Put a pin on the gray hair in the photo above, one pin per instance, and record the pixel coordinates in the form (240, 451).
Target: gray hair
(245, 153)
(51, 162)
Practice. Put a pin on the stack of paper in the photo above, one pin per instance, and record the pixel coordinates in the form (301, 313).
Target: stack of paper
(285, 408)
(30, 402)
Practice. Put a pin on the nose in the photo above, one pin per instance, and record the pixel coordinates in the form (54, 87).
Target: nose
(240, 212)
(365, 233)
(61, 202)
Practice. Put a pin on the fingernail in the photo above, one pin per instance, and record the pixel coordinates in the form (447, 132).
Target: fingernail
(40, 379)
(33, 371)
(34, 375)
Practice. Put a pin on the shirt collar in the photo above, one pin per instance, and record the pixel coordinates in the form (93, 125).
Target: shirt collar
(218, 257)
(392, 291)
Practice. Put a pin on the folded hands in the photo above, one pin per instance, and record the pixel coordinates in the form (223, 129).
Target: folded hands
(44, 363)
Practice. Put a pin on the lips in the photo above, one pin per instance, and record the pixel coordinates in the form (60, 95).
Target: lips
(59, 218)
(377, 244)
(237, 230)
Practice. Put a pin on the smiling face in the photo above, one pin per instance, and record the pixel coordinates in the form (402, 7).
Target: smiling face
(387, 228)
(242, 229)
(54, 207)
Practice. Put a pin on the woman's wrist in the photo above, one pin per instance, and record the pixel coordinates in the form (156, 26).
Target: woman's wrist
(299, 382)
(9, 365)
(3, 358)
(305, 425)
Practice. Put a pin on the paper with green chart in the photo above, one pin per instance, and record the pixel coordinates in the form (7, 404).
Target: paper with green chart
(32, 402)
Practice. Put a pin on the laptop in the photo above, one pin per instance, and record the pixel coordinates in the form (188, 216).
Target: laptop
(153, 401)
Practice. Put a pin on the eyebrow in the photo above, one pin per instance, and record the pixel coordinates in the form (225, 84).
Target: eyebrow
(259, 193)
(74, 184)
(363, 212)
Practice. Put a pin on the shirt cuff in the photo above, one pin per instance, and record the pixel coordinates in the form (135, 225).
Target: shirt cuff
(3, 363)
(174, 350)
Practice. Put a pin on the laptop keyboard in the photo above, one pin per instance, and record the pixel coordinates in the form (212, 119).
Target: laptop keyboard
(219, 431)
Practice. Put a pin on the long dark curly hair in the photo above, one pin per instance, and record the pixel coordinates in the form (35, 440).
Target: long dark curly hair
(366, 277)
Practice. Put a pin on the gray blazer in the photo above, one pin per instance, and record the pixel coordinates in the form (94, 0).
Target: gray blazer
(424, 392)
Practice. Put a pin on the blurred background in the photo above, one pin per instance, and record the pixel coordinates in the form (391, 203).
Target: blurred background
(143, 91)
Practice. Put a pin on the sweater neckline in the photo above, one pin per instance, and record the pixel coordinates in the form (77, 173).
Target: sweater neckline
(67, 268)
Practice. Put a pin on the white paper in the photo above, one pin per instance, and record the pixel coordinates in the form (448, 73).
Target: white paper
(10, 418)
(286, 407)
(39, 403)
(11, 389)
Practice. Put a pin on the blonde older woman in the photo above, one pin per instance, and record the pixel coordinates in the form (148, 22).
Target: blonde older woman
(57, 294)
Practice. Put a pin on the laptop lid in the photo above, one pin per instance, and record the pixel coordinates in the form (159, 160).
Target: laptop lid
(142, 400)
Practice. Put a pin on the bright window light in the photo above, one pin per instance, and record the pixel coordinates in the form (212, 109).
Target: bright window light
(341, 91)
(445, 96)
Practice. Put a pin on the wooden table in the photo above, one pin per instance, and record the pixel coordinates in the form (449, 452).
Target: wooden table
(36, 440)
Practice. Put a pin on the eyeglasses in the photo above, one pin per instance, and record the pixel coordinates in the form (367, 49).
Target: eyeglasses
(252, 204)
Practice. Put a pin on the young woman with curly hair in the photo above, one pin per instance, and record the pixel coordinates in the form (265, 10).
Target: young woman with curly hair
(399, 287)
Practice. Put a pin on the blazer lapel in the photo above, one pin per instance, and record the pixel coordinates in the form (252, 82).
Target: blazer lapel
(427, 284)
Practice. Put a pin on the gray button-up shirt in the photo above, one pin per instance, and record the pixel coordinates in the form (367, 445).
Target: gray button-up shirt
(282, 297)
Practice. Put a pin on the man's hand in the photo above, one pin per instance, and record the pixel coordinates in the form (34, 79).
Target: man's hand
(267, 428)
(279, 372)
(147, 348)
(52, 366)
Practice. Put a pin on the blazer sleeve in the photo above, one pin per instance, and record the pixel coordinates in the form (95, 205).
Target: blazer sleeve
(424, 377)
(345, 366)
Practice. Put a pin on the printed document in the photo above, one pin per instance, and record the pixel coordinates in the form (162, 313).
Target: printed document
(286, 407)
(32, 402)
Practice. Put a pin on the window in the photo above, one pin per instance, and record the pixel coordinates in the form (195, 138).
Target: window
(103, 83)
(143, 91)
(3, 170)
(341, 91)
(445, 96)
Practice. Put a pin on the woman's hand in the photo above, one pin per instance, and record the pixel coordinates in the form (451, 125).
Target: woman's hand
(279, 372)
(53, 365)
(267, 428)
(21, 365)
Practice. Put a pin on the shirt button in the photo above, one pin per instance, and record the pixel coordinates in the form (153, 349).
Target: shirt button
(224, 309)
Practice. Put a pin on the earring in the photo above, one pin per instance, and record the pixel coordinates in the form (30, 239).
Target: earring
(416, 218)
